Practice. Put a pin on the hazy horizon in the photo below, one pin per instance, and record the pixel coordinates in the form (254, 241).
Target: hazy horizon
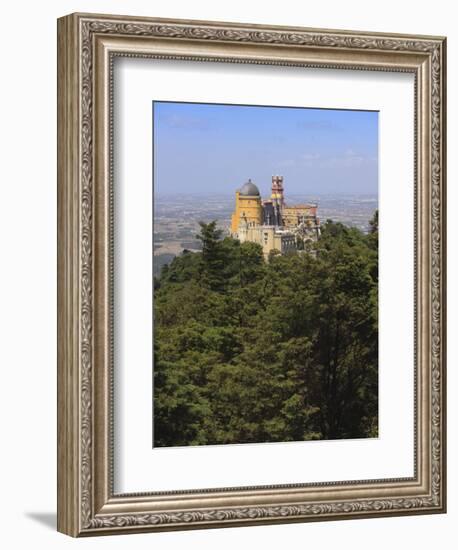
(264, 193)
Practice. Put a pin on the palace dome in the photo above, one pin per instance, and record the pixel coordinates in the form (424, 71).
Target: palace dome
(249, 189)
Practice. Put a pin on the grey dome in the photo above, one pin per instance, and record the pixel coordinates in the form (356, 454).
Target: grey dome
(249, 189)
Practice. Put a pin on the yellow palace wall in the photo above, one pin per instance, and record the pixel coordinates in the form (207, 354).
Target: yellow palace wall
(246, 207)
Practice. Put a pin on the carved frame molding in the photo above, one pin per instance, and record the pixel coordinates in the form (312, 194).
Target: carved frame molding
(87, 45)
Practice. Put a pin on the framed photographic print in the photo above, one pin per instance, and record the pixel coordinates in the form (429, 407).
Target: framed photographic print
(251, 285)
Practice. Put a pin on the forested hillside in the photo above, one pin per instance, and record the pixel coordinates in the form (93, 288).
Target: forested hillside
(251, 351)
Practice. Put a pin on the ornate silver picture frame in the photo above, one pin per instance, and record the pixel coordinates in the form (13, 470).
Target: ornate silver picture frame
(88, 44)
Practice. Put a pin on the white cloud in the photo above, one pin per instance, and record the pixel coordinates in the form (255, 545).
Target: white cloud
(349, 159)
(311, 156)
(187, 122)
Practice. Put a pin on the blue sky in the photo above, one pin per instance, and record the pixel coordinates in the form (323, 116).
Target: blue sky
(201, 148)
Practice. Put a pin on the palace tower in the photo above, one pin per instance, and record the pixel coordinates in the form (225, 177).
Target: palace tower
(248, 207)
(272, 223)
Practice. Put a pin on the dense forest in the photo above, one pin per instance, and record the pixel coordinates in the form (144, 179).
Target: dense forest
(249, 351)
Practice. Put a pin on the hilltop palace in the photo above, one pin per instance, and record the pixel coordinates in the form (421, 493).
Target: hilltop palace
(270, 222)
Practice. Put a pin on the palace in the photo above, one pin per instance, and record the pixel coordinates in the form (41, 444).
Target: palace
(271, 222)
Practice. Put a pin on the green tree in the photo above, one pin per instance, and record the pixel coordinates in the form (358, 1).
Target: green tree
(212, 257)
(284, 350)
(373, 223)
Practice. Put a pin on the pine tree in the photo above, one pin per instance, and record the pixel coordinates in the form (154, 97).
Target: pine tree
(249, 351)
(212, 265)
